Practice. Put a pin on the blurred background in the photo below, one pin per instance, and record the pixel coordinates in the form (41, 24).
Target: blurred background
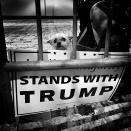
(27, 7)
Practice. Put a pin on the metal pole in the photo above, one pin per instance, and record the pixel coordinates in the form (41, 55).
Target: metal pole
(73, 53)
(53, 8)
(3, 55)
(72, 64)
(107, 40)
(108, 32)
(45, 6)
(39, 30)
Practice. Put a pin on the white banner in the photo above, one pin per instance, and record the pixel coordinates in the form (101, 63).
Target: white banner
(38, 91)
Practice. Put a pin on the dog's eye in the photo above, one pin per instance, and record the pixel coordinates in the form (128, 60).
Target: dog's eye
(63, 39)
(55, 40)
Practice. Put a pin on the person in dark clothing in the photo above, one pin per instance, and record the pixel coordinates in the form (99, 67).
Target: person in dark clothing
(84, 12)
(84, 8)
(94, 38)
(6, 103)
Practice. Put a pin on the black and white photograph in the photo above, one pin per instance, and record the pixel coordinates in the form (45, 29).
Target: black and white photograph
(65, 65)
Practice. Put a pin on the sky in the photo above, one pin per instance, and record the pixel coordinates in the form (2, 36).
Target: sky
(27, 7)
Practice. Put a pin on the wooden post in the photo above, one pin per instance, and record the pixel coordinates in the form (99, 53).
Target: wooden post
(39, 30)
(73, 53)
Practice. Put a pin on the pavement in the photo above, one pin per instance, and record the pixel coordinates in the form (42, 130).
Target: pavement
(108, 115)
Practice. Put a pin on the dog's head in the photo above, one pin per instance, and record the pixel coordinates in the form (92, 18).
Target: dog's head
(60, 42)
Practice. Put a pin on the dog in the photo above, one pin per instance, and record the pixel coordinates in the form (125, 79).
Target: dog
(61, 41)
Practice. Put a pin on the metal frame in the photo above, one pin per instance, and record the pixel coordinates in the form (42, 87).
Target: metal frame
(39, 30)
(42, 65)
(3, 55)
(73, 53)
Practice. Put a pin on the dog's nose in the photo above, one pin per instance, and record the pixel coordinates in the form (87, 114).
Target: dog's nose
(58, 44)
